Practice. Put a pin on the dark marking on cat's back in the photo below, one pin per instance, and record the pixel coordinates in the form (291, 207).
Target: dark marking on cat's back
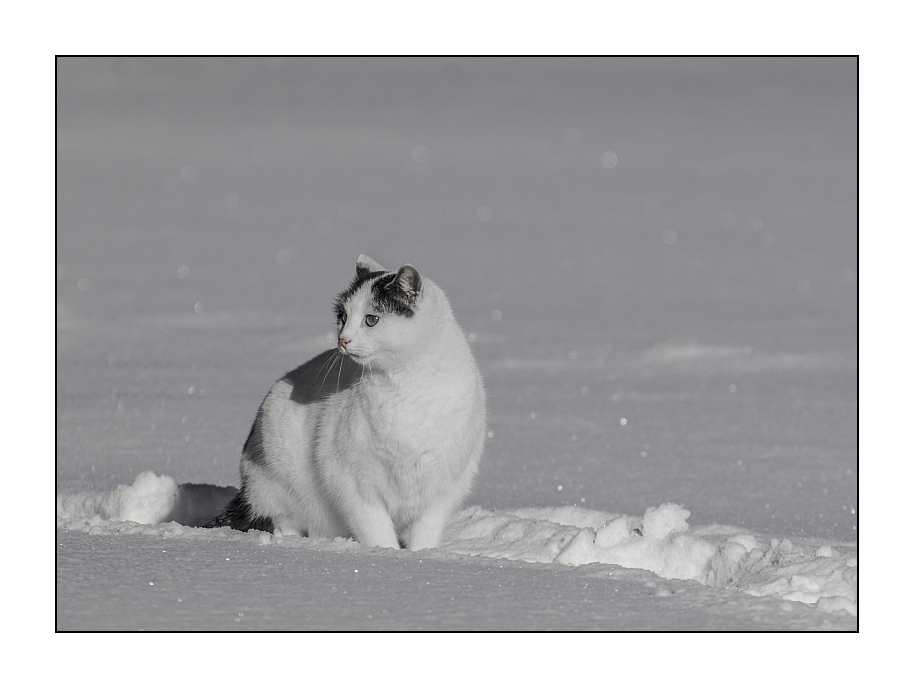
(321, 377)
(253, 445)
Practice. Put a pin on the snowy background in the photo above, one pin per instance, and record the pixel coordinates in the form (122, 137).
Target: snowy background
(655, 261)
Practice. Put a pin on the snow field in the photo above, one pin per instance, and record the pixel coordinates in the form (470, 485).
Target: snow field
(702, 284)
(660, 541)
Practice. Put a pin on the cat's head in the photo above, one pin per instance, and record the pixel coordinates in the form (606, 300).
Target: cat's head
(380, 314)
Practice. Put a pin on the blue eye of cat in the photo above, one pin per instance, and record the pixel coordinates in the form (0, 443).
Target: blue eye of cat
(371, 320)
(343, 317)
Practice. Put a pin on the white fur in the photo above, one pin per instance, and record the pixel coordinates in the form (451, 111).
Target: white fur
(389, 458)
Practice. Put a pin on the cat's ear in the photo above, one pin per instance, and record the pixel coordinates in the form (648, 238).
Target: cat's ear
(366, 264)
(409, 282)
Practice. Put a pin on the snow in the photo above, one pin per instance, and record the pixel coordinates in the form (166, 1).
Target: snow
(702, 289)
(573, 536)
(148, 500)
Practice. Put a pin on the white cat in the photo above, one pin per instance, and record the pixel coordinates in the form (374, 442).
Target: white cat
(379, 439)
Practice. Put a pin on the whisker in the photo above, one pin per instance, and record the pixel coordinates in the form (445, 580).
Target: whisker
(336, 354)
(329, 360)
(339, 375)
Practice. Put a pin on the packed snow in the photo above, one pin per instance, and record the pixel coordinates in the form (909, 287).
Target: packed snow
(660, 541)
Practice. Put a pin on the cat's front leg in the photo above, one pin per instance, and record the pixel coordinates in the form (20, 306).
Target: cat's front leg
(372, 526)
(426, 530)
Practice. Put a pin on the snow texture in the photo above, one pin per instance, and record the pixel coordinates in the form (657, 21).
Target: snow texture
(659, 541)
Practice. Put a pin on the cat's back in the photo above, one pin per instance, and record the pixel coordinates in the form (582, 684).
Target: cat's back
(324, 376)
(298, 399)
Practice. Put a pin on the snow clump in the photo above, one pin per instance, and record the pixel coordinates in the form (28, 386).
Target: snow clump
(149, 500)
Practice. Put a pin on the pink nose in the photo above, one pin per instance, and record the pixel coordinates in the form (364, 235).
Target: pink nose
(343, 342)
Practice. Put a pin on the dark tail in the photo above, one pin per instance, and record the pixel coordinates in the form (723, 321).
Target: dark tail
(238, 515)
(196, 505)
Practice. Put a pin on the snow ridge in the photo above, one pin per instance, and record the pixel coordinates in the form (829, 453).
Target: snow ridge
(660, 541)
(148, 500)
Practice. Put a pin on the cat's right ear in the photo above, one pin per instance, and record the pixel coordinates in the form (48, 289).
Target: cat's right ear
(366, 265)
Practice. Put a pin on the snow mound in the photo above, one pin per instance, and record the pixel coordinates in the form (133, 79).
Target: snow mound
(149, 500)
(661, 541)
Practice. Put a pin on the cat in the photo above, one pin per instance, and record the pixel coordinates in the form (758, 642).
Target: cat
(379, 439)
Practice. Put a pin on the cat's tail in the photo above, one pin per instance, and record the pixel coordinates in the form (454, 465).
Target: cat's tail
(239, 515)
(158, 499)
(196, 505)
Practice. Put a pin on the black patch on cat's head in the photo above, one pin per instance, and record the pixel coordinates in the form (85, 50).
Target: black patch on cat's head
(362, 275)
(397, 293)
(391, 292)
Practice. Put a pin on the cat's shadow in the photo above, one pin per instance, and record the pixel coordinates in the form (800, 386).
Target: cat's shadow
(323, 376)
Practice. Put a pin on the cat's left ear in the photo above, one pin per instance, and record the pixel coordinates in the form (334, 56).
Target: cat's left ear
(409, 282)
(366, 264)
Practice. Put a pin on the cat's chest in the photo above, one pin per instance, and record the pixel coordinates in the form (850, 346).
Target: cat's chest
(414, 421)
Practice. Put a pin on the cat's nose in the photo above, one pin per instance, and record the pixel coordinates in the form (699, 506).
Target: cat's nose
(343, 342)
